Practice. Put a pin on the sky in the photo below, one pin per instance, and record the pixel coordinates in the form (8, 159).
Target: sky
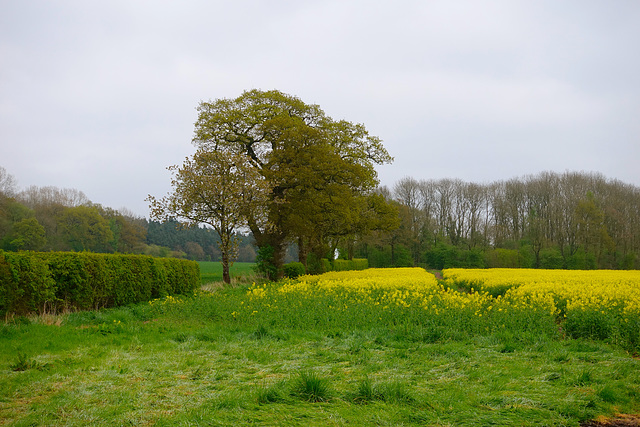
(101, 96)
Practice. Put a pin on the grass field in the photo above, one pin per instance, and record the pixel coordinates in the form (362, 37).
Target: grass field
(319, 351)
(212, 271)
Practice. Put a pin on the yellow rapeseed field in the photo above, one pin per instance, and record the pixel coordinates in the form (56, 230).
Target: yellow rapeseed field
(399, 296)
(595, 303)
(589, 304)
(604, 290)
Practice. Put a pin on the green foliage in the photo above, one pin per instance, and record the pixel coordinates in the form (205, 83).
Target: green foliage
(388, 256)
(85, 229)
(448, 256)
(570, 220)
(320, 172)
(265, 263)
(551, 258)
(353, 264)
(401, 256)
(294, 269)
(219, 188)
(323, 265)
(379, 257)
(317, 265)
(26, 284)
(629, 262)
(326, 265)
(581, 260)
(47, 281)
(508, 258)
(502, 258)
(27, 234)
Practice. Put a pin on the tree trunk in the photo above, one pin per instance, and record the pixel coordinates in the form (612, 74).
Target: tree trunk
(276, 241)
(279, 249)
(303, 251)
(226, 277)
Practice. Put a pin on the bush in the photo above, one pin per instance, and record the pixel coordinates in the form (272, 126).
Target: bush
(320, 266)
(34, 282)
(265, 263)
(445, 256)
(294, 269)
(502, 258)
(353, 264)
(379, 257)
(317, 265)
(551, 258)
(402, 256)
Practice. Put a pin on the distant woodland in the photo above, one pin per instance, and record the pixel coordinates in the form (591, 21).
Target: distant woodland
(569, 220)
(572, 220)
(54, 219)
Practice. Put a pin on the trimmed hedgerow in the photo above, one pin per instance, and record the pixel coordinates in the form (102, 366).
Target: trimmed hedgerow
(40, 281)
(25, 283)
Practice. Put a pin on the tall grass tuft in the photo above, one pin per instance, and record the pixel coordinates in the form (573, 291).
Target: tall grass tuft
(310, 386)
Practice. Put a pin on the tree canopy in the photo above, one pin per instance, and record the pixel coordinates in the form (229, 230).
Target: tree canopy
(319, 171)
(217, 188)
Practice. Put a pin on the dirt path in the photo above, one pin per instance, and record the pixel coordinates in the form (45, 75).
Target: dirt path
(436, 273)
(621, 421)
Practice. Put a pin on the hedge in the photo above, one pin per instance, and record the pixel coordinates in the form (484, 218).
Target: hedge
(296, 269)
(37, 282)
(351, 264)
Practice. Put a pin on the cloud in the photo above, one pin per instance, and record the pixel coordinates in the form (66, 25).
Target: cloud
(102, 96)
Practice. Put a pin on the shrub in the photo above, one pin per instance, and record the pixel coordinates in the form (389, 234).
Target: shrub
(294, 269)
(551, 258)
(354, 264)
(317, 265)
(265, 263)
(379, 257)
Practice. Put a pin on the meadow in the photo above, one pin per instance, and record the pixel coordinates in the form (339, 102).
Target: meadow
(376, 347)
(211, 271)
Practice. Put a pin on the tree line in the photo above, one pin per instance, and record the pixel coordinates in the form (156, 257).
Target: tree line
(284, 169)
(63, 219)
(573, 220)
(300, 181)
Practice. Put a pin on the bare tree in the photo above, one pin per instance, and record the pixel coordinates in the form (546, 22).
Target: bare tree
(8, 183)
(34, 196)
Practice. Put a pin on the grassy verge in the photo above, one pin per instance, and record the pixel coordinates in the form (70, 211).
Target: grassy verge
(190, 361)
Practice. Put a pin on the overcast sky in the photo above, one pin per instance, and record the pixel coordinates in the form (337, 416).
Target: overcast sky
(100, 96)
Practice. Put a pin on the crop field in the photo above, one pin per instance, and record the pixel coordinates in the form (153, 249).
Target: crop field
(600, 304)
(384, 347)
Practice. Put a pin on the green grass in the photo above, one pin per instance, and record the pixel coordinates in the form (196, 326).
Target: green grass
(211, 271)
(189, 361)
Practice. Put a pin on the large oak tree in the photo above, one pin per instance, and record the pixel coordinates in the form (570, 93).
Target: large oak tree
(319, 171)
